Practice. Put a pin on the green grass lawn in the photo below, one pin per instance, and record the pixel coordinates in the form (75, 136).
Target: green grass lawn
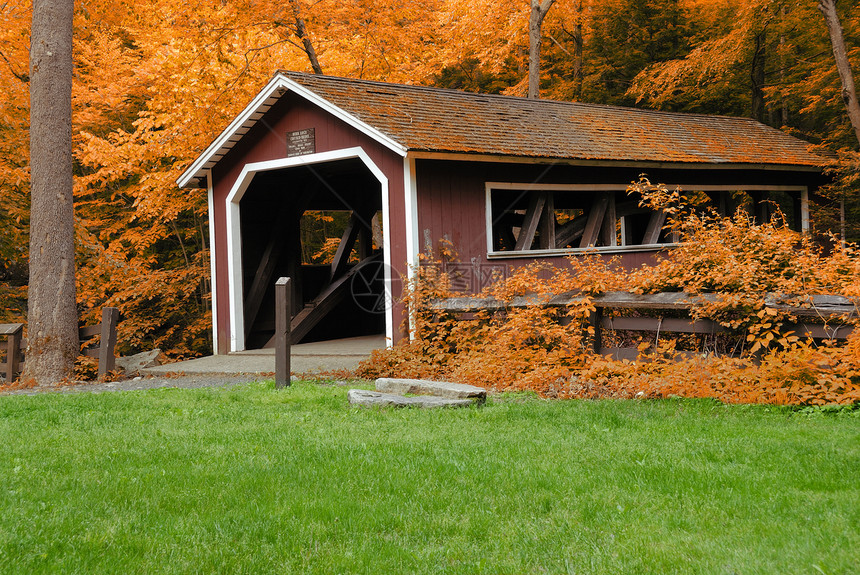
(257, 480)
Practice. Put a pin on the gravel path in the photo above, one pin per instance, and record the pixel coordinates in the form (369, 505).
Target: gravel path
(311, 360)
(151, 382)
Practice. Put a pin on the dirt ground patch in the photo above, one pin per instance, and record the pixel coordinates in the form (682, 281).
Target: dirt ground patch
(141, 383)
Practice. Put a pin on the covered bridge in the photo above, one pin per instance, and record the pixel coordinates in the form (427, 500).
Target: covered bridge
(503, 179)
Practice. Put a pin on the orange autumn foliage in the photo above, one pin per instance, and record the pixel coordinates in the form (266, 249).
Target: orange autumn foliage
(156, 80)
(547, 350)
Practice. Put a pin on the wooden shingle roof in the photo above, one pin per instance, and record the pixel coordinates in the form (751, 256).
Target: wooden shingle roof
(437, 120)
(423, 119)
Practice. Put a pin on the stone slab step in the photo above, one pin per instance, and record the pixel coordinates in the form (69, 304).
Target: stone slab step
(376, 399)
(445, 389)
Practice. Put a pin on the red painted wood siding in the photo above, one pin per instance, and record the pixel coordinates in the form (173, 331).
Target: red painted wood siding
(267, 141)
(452, 200)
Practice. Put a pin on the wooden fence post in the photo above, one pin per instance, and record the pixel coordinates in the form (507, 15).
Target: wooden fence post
(283, 316)
(107, 340)
(595, 319)
(13, 344)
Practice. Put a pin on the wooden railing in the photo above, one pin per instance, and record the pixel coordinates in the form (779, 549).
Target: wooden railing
(818, 316)
(106, 330)
(13, 333)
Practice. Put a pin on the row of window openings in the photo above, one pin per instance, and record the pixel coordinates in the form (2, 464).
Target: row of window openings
(544, 220)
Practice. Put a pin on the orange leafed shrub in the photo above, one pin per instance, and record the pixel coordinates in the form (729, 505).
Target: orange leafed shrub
(548, 350)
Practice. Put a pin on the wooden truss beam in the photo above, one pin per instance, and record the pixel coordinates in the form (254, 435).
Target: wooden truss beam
(655, 226)
(546, 240)
(315, 311)
(595, 220)
(344, 248)
(570, 232)
(608, 231)
(266, 267)
(287, 222)
(359, 221)
(537, 202)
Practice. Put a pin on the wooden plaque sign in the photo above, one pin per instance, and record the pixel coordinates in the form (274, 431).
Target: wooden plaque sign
(301, 142)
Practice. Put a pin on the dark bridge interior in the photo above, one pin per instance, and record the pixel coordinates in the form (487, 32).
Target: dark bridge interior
(343, 297)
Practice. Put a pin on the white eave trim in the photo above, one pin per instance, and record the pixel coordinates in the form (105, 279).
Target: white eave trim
(261, 103)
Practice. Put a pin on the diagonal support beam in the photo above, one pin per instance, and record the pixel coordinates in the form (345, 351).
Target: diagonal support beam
(323, 304)
(570, 232)
(266, 268)
(547, 224)
(655, 226)
(595, 220)
(344, 248)
(288, 218)
(531, 221)
(608, 231)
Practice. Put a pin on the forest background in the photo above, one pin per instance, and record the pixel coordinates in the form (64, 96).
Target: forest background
(156, 80)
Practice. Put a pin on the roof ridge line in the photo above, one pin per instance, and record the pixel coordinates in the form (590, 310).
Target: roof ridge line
(522, 99)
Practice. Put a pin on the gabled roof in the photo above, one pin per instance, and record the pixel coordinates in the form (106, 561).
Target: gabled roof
(418, 118)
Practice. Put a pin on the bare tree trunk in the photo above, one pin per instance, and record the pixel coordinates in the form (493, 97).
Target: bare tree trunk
(577, 51)
(757, 77)
(538, 13)
(783, 101)
(846, 76)
(52, 329)
(843, 65)
(302, 33)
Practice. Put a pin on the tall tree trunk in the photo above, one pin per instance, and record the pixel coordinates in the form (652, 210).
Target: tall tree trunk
(538, 13)
(577, 51)
(843, 65)
(757, 78)
(52, 329)
(783, 101)
(302, 33)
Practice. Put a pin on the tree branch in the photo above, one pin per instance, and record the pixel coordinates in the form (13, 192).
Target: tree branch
(843, 65)
(302, 33)
(22, 76)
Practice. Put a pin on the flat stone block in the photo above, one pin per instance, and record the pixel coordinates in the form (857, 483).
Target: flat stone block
(135, 363)
(375, 399)
(427, 387)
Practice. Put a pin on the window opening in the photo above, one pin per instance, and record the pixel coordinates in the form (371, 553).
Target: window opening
(524, 220)
(322, 232)
(533, 219)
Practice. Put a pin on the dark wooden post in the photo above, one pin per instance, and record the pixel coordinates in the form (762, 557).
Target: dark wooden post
(547, 224)
(13, 345)
(107, 340)
(283, 315)
(595, 319)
